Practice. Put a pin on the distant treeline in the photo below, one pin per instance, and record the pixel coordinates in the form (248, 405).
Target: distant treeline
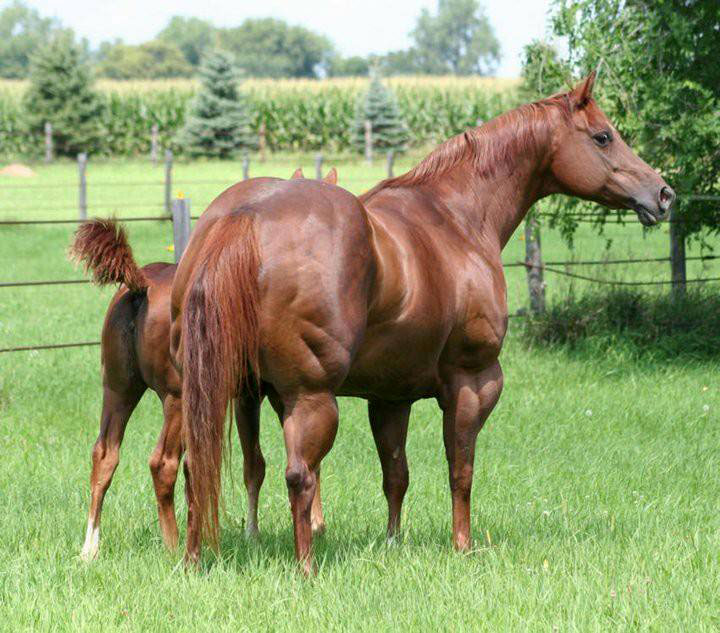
(456, 39)
(299, 115)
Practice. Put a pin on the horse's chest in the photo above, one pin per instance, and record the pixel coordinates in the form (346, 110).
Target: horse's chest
(478, 335)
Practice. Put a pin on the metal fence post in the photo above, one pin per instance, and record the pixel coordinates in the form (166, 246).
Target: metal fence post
(246, 166)
(154, 144)
(390, 161)
(677, 256)
(48, 142)
(168, 181)
(181, 225)
(533, 264)
(368, 143)
(82, 186)
(318, 166)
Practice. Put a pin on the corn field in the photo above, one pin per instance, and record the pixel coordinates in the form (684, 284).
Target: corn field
(299, 115)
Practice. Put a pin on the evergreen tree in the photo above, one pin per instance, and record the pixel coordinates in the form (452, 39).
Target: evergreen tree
(378, 106)
(219, 123)
(61, 93)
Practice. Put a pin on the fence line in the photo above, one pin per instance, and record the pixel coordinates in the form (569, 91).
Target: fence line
(611, 282)
(587, 262)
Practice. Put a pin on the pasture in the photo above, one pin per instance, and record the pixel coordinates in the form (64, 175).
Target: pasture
(595, 495)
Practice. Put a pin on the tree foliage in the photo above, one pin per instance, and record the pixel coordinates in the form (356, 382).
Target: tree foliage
(272, 48)
(22, 31)
(659, 83)
(457, 40)
(378, 106)
(151, 60)
(219, 123)
(191, 35)
(61, 93)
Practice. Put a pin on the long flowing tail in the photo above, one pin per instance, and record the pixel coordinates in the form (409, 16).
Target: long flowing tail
(102, 247)
(220, 342)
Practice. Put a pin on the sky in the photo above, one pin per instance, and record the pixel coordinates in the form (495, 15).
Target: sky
(356, 28)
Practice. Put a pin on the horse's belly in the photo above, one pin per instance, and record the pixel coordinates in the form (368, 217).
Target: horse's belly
(393, 365)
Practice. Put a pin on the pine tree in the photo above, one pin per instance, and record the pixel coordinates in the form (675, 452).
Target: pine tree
(378, 106)
(61, 92)
(219, 123)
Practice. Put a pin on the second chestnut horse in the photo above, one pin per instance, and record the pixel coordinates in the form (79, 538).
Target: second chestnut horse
(300, 291)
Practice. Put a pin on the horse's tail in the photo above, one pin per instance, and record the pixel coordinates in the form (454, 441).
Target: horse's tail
(220, 342)
(102, 247)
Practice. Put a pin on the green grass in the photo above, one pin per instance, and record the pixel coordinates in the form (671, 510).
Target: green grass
(594, 505)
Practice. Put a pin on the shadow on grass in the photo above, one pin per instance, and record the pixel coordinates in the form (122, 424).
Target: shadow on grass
(641, 324)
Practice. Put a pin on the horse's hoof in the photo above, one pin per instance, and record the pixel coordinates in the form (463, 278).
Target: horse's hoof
(89, 552)
(252, 533)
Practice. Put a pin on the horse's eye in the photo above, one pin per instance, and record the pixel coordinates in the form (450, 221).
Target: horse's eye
(602, 138)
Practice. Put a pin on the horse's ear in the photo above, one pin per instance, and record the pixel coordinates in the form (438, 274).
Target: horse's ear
(297, 174)
(331, 177)
(581, 94)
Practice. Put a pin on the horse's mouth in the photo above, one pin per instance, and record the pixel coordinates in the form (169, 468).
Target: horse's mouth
(646, 217)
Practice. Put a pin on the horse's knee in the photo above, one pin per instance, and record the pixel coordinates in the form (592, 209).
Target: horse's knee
(298, 477)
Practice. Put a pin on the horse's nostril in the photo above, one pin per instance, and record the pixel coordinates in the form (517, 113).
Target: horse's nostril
(667, 197)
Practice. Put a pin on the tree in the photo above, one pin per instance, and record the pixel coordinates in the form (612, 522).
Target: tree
(61, 92)
(348, 67)
(271, 48)
(404, 62)
(219, 123)
(660, 85)
(152, 60)
(22, 31)
(378, 106)
(458, 39)
(191, 35)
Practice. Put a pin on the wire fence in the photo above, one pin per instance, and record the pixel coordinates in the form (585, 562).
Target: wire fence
(531, 265)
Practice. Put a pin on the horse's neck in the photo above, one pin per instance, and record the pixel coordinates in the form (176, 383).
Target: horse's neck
(493, 207)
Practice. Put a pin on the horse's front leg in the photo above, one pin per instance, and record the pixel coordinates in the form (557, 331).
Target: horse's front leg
(467, 400)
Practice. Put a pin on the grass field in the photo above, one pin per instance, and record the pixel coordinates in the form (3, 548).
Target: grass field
(596, 485)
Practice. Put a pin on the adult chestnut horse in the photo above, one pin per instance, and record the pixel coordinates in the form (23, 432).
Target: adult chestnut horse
(135, 357)
(301, 291)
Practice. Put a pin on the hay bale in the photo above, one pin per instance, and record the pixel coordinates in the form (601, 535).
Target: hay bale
(16, 170)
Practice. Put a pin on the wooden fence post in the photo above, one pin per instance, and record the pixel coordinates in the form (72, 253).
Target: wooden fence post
(318, 166)
(677, 256)
(533, 263)
(154, 144)
(368, 143)
(48, 142)
(246, 166)
(261, 141)
(82, 186)
(168, 181)
(390, 161)
(181, 225)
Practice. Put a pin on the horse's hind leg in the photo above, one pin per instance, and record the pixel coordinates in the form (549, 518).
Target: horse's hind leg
(317, 520)
(164, 464)
(116, 411)
(389, 423)
(247, 419)
(309, 429)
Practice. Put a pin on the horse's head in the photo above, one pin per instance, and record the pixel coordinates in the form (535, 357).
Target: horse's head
(590, 160)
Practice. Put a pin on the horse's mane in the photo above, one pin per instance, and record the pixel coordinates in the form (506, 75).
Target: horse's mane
(496, 144)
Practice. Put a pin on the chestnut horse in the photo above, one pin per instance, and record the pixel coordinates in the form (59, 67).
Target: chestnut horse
(135, 357)
(300, 291)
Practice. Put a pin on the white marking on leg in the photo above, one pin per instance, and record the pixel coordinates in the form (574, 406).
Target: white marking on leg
(92, 542)
(251, 528)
